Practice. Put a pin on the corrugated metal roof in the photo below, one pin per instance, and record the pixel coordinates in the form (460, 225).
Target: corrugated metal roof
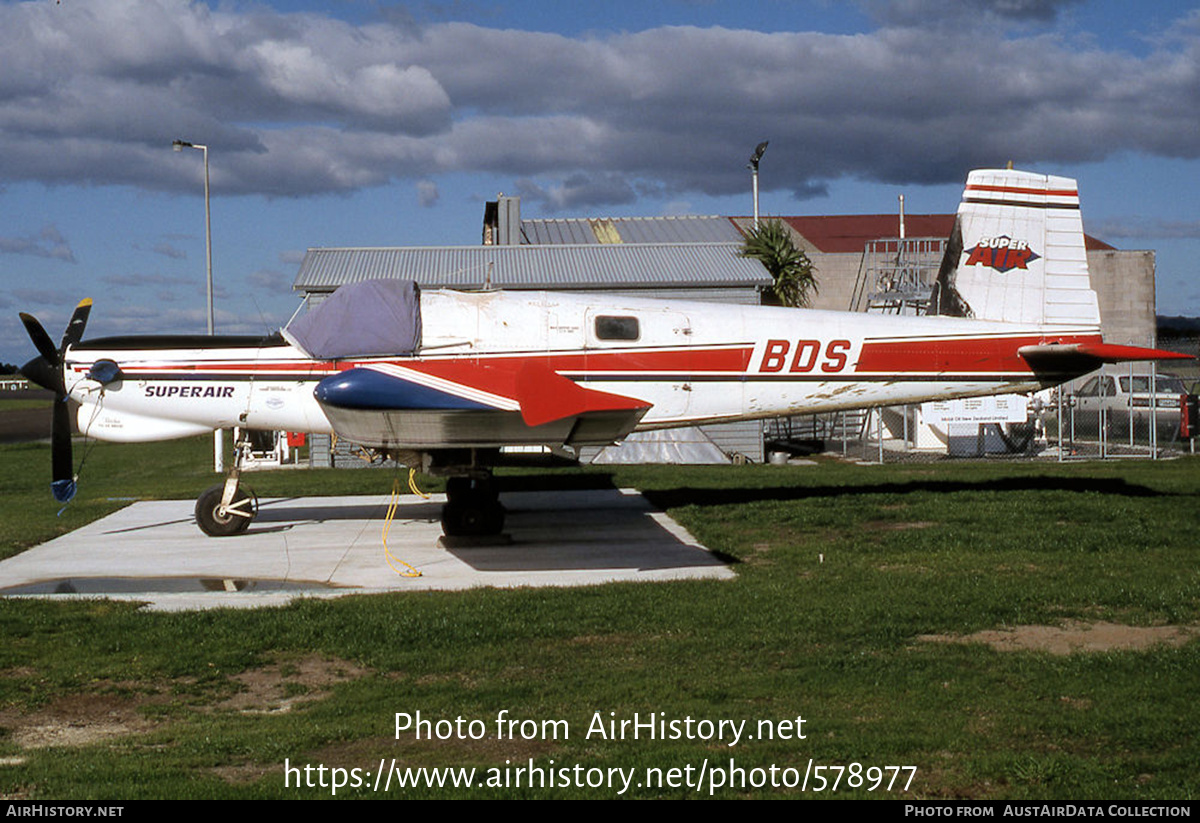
(849, 233)
(559, 267)
(684, 229)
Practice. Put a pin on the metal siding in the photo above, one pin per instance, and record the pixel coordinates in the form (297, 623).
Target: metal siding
(632, 230)
(743, 437)
(557, 232)
(508, 230)
(678, 230)
(537, 267)
(318, 451)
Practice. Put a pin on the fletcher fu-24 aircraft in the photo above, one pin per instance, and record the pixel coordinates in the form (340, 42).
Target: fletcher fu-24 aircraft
(442, 380)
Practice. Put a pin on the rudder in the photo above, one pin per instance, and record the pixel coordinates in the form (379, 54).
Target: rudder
(1017, 252)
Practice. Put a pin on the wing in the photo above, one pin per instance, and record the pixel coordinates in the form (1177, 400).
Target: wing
(472, 403)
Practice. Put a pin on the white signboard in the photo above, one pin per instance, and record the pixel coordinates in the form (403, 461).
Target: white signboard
(1005, 408)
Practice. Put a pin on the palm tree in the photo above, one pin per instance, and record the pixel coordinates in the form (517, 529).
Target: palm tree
(795, 279)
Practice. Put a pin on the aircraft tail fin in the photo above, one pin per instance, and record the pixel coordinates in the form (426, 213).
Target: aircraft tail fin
(1017, 252)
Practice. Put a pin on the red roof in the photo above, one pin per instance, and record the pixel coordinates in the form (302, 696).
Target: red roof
(844, 233)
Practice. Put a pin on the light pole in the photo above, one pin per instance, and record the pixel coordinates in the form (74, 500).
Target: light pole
(759, 150)
(180, 145)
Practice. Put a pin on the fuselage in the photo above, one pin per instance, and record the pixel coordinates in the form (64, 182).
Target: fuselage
(691, 362)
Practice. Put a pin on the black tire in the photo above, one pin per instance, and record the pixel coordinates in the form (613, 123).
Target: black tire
(469, 490)
(213, 523)
(465, 520)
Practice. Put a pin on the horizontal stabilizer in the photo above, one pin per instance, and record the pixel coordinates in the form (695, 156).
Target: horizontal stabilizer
(546, 396)
(1081, 358)
(1113, 353)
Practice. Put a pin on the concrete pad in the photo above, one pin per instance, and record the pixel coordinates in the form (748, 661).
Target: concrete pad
(153, 551)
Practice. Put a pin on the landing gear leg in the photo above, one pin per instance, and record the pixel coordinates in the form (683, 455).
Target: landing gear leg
(227, 509)
(473, 506)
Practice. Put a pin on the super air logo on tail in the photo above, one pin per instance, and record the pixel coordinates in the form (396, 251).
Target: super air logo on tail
(1001, 253)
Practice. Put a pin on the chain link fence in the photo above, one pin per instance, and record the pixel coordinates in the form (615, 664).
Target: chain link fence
(1114, 413)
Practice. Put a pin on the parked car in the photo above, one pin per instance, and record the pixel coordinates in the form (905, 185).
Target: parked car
(1130, 399)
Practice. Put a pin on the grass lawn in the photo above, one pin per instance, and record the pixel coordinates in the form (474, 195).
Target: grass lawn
(18, 403)
(853, 585)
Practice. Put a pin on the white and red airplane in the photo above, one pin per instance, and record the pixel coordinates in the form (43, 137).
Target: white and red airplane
(442, 380)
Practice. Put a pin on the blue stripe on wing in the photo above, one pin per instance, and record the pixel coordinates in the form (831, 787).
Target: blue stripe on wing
(370, 389)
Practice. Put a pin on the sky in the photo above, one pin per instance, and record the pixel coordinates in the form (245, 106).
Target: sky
(373, 123)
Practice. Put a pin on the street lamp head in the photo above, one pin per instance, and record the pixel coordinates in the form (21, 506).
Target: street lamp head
(759, 150)
(180, 145)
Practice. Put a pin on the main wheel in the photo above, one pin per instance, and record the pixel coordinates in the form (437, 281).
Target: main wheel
(474, 519)
(235, 520)
(471, 489)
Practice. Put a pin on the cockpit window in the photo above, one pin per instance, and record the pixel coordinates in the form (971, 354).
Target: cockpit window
(610, 327)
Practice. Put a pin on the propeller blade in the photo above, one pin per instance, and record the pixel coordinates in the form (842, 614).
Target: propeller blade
(74, 332)
(62, 464)
(41, 340)
(46, 371)
(42, 373)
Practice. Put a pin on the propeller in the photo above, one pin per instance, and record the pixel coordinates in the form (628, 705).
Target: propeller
(46, 370)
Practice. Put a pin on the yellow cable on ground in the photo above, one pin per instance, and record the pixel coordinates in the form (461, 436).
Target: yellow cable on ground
(387, 524)
(412, 484)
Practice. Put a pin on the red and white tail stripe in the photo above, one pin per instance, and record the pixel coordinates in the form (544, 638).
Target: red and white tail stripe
(1018, 188)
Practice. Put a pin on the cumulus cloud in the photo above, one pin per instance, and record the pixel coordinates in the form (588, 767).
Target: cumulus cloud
(49, 242)
(270, 280)
(156, 318)
(295, 104)
(166, 248)
(138, 280)
(427, 193)
(578, 190)
(44, 297)
(927, 13)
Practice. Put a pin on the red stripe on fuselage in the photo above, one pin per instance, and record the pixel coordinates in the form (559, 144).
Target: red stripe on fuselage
(984, 355)
(490, 372)
(495, 372)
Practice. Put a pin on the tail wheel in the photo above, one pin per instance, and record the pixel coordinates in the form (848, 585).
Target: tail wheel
(235, 518)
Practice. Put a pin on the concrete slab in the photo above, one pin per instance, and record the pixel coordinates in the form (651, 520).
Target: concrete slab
(331, 546)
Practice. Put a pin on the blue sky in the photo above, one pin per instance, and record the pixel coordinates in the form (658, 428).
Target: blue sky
(375, 123)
